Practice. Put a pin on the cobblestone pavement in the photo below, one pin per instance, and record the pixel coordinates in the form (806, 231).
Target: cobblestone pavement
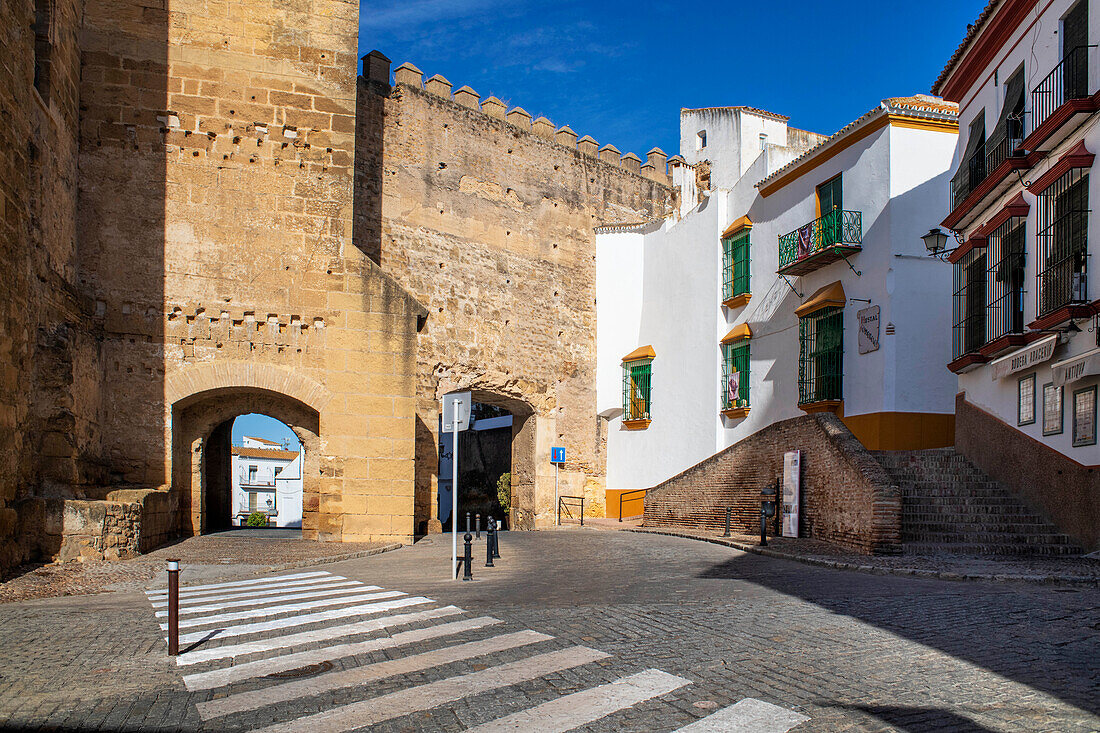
(680, 630)
(208, 557)
(1066, 570)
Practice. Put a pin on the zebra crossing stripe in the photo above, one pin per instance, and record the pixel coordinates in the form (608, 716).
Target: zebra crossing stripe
(296, 596)
(581, 708)
(230, 651)
(240, 583)
(211, 596)
(434, 694)
(251, 700)
(260, 667)
(286, 608)
(310, 618)
(747, 716)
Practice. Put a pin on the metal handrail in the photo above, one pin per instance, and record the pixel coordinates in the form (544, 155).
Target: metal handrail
(837, 227)
(561, 503)
(1068, 80)
(632, 491)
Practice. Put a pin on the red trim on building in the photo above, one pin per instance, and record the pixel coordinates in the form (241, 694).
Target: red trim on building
(1017, 206)
(1059, 117)
(1009, 341)
(962, 250)
(1063, 314)
(967, 360)
(991, 181)
(983, 50)
(1077, 157)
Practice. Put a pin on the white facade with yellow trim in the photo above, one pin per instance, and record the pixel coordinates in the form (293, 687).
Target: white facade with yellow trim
(663, 285)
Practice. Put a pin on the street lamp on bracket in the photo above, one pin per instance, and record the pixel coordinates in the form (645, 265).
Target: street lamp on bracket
(935, 241)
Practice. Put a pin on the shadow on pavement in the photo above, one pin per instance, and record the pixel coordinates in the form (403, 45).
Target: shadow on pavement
(920, 720)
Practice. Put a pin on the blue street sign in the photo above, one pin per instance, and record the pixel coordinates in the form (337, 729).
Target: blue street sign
(557, 455)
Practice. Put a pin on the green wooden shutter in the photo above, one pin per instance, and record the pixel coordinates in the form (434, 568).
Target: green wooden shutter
(821, 356)
(637, 379)
(735, 358)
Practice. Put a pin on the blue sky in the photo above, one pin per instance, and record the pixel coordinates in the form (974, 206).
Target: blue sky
(620, 71)
(262, 426)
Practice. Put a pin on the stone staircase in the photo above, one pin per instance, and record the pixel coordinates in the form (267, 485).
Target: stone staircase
(950, 505)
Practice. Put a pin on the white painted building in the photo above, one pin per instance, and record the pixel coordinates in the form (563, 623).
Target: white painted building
(267, 478)
(704, 323)
(1023, 197)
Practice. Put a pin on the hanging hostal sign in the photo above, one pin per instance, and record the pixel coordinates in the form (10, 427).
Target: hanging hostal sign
(1025, 358)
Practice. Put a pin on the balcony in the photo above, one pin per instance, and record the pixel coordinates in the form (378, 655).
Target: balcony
(821, 242)
(1061, 101)
(1063, 255)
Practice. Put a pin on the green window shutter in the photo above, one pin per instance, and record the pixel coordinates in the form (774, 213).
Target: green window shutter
(735, 265)
(735, 360)
(637, 379)
(821, 356)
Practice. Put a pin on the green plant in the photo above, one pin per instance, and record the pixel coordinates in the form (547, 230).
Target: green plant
(257, 519)
(504, 491)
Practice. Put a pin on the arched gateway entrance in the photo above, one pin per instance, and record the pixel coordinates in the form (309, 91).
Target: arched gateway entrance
(201, 425)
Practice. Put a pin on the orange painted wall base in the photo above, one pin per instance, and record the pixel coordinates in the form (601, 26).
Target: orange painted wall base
(903, 430)
(632, 504)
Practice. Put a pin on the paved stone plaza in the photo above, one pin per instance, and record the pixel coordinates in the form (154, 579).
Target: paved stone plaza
(672, 631)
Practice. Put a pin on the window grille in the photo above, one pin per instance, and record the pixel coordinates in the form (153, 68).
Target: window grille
(969, 329)
(1005, 279)
(637, 379)
(735, 265)
(821, 356)
(735, 375)
(1063, 242)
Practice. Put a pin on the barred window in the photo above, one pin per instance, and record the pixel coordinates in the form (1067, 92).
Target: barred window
(735, 265)
(969, 332)
(821, 356)
(1005, 278)
(1063, 242)
(735, 375)
(637, 380)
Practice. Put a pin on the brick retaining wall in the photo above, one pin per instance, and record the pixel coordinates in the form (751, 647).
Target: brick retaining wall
(847, 497)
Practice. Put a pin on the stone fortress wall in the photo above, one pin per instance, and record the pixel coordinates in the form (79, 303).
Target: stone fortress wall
(488, 218)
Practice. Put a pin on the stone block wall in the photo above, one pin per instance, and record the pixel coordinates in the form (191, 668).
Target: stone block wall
(488, 218)
(847, 497)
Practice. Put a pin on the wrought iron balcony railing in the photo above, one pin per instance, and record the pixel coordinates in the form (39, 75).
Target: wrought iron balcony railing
(1068, 80)
(971, 173)
(1004, 144)
(1063, 257)
(837, 229)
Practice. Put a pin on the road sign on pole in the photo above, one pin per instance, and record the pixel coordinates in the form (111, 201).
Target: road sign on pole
(456, 416)
(557, 457)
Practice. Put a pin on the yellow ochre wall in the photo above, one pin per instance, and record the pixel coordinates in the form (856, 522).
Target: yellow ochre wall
(903, 430)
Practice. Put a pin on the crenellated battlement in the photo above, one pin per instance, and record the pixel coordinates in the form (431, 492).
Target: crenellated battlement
(654, 168)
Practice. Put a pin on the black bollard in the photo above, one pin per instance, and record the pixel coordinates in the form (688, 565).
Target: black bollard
(477, 526)
(496, 539)
(763, 528)
(468, 559)
(727, 532)
(467, 523)
(489, 543)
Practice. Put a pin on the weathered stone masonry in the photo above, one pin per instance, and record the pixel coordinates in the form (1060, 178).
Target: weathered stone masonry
(488, 220)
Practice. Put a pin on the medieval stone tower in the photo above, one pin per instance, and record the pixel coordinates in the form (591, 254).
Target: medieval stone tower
(205, 214)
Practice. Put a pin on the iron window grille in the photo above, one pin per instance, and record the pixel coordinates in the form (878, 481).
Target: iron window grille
(735, 265)
(1063, 242)
(821, 356)
(1005, 252)
(1067, 81)
(637, 382)
(969, 330)
(735, 375)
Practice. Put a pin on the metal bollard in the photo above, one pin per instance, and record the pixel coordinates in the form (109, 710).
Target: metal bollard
(173, 608)
(467, 523)
(489, 543)
(468, 559)
(763, 529)
(727, 532)
(477, 526)
(496, 539)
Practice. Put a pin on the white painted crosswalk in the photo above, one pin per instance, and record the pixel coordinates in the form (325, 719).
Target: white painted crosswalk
(314, 651)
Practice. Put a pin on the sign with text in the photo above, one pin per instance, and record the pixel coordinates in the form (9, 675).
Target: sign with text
(456, 406)
(557, 455)
(868, 329)
(792, 490)
(1025, 358)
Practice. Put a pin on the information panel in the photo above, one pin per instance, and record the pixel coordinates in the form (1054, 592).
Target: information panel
(792, 490)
